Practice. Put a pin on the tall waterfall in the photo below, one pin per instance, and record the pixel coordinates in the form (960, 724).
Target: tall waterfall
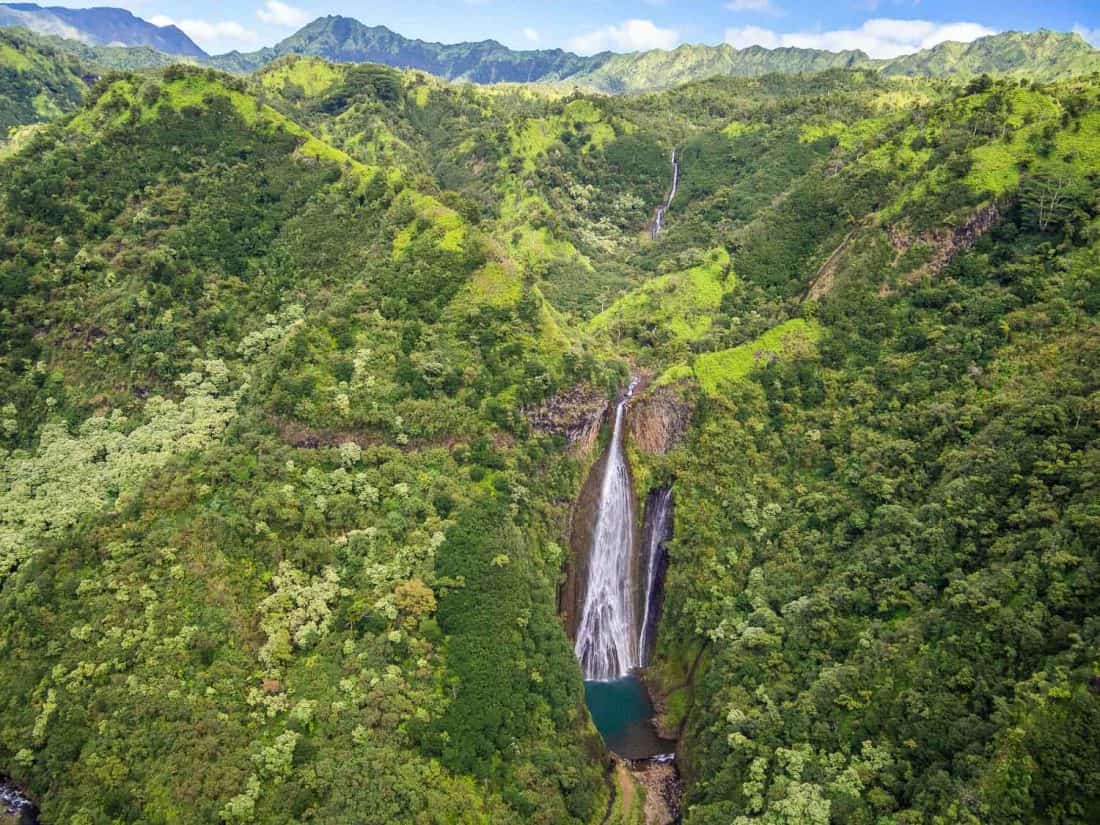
(607, 635)
(658, 522)
(658, 219)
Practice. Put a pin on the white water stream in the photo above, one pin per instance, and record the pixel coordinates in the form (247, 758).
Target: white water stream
(607, 635)
(659, 218)
(660, 528)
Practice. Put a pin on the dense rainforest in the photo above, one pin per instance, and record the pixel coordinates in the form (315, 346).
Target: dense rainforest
(283, 523)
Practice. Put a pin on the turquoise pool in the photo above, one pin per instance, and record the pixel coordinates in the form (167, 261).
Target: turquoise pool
(622, 711)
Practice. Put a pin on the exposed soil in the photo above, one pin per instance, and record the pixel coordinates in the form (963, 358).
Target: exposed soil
(946, 244)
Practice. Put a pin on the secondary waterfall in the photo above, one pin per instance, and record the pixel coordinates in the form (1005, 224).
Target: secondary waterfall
(607, 634)
(659, 217)
(658, 529)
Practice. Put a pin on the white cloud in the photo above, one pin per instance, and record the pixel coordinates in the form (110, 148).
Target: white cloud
(213, 36)
(879, 37)
(1091, 35)
(629, 36)
(531, 35)
(760, 6)
(747, 36)
(280, 14)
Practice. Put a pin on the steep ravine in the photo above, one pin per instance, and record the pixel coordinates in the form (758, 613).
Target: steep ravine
(649, 424)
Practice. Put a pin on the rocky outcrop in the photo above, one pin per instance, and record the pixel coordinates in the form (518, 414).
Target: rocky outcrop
(663, 790)
(15, 806)
(658, 420)
(946, 244)
(581, 530)
(576, 415)
(656, 531)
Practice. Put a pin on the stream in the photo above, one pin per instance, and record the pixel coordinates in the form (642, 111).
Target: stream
(658, 218)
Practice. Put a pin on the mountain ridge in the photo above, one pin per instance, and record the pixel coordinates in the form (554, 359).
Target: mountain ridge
(345, 39)
(1042, 55)
(99, 26)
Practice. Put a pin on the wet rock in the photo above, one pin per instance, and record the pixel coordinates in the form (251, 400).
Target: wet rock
(658, 420)
(16, 807)
(576, 415)
(657, 529)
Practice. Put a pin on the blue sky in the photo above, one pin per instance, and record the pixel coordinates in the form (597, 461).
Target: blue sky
(880, 27)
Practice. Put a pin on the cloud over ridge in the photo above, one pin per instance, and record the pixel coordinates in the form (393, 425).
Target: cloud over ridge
(629, 36)
(880, 37)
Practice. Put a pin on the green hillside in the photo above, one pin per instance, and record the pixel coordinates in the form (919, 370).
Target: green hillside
(37, 81)
(645, 71)
(1042, 55)
(316, 608)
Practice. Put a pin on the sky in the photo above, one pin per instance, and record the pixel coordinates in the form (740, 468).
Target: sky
(882, 28)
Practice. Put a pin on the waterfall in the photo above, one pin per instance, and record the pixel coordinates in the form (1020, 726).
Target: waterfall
(607, 640)
(658, 528)
(657, 220)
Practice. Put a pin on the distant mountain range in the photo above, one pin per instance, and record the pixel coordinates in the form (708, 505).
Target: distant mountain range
(346, 40)
(1042, 55)
(99, 27)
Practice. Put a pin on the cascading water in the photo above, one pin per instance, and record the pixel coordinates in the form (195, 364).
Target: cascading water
(658, 219)
(607, 634)
(609, 640)
(658, 521)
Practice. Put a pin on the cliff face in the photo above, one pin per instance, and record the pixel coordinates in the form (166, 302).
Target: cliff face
(581, 531)
(945, 243)
(576, 415)
(655, 422)
(658, 420)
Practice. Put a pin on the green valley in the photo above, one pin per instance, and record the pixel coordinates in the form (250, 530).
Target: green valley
(310, 373)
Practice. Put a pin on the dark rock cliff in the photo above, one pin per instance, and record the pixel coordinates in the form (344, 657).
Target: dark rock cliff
(576, 415)
(658, 420)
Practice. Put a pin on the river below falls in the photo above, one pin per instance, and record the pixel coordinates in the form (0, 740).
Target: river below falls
(623, 715)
